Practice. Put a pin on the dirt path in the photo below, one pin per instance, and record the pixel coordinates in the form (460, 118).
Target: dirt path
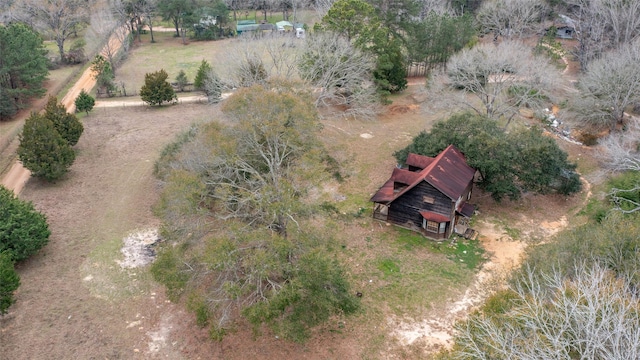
(135, 101)
(18, 175)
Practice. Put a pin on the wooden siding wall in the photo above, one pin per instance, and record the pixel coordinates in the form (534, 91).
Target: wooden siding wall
(407, 207)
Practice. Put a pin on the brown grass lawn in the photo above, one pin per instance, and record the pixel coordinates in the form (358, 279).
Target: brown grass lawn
(167, 53)
(76, 302)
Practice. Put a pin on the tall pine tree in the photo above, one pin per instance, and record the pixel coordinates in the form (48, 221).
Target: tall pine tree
(23, 68)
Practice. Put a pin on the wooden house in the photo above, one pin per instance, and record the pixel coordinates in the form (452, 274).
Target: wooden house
(429, 196)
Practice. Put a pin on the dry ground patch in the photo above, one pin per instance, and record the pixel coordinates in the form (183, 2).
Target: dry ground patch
(75, 301)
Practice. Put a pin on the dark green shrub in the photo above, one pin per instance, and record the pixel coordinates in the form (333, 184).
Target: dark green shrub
(43, 150)
(9, 281)
(168, 270)
(67, 125)
(156, 89)
(23, 230)
(84, 102)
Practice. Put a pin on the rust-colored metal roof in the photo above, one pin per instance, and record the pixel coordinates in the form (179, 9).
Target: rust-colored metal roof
(431, 216)
(388, 191)
(448, 172)
(419, 161)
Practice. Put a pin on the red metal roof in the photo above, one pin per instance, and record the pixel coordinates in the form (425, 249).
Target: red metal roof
(431, 216)
(448, 172)
(388, 191)
(419, 161)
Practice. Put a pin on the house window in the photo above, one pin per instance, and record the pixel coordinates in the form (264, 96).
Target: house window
(443, 226)
(428, 199)
(432, 226)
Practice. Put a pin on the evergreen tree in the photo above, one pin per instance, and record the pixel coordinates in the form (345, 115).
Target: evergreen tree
(508, 163)
(85, 102)
(156, 89)
(181, 80)
(201, 75)
(390, 73)
(67, 125)
(9, 282)
(23, 68)
(103, 73)
(43, 150)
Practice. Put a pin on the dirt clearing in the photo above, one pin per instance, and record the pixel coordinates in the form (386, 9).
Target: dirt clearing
(75, 301)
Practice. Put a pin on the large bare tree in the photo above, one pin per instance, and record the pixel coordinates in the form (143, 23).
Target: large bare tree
(592, 315)
(602, 25)
(620, 150)
(501, 78)
(111, 33)
(610, 85)
(340, 75)
(510, 18)
(60, 18)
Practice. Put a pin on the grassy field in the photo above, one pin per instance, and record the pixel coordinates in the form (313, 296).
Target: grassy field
(166, 53)
(170, 54)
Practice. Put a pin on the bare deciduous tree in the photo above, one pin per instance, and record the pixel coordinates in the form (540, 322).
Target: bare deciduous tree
(602, 25)
(610, 85)
(6, 11)
(59, 17)
(254, 168)
(148, 10)
(439, 7)
(112, 34)
(590, 316)
(503, 77)
(213, 87)
(322, 6)
(510, 18)
(621, 150)
(340, 75)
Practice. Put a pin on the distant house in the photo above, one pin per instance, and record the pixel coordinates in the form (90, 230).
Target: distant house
(565, 27)
(284, 26)
(250, 26)
(243, 26)
(300, 32)
(565, 32)
(429, 196)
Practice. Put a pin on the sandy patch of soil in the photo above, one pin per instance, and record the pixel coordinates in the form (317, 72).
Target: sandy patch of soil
(139, 249)
(436, 333)
(504, 254)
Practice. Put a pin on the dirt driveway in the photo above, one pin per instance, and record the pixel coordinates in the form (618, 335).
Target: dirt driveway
(18, 176)
(74, 301)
